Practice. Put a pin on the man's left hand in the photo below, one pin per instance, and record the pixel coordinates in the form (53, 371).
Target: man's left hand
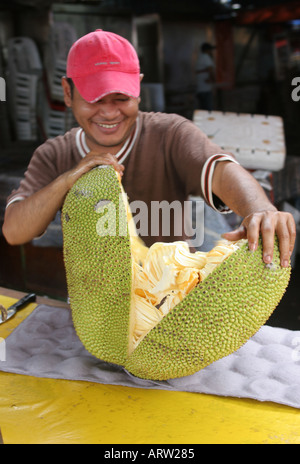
(268, 224)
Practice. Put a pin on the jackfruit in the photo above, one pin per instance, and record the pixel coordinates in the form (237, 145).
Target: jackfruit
(160, 312)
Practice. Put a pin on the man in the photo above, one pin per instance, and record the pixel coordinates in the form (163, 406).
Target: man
(160, 157)
(205, 71)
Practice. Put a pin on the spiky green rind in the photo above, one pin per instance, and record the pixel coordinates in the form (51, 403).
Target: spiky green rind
(98, 266)
(219, 316)
(214, 320)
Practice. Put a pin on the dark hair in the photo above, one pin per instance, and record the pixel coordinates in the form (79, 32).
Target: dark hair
(71, 84)
(207, 47)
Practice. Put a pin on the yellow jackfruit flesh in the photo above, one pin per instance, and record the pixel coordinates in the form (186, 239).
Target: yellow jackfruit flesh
(161, 312)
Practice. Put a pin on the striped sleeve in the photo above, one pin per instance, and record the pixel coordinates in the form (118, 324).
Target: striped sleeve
(206, 182)
(15, 199)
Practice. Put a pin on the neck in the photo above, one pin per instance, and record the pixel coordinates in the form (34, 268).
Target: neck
(112, 149)
(121, 151)
(96, 147)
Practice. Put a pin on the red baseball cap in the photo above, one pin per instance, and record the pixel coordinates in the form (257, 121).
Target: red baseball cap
(101, 63)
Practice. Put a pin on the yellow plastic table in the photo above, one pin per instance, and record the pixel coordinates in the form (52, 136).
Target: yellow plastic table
(47, 411)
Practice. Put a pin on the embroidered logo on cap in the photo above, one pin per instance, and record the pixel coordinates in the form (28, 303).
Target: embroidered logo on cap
(105, 63)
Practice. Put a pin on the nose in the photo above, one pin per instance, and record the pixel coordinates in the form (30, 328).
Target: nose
(108, 110)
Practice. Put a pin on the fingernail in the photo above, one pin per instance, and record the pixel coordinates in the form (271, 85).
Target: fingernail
(267, 259)
(285, 263)
(252, 246)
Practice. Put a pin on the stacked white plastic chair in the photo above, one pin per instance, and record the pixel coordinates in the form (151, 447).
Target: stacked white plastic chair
(4, 121)
(55, 117)
(24, 72)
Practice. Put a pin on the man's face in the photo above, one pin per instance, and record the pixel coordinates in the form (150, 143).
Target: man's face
(106, 123)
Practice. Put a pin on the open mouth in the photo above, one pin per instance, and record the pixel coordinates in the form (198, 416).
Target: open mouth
(108, 126)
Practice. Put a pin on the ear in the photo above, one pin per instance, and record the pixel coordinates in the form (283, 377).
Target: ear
(67, 92)
(141, 78)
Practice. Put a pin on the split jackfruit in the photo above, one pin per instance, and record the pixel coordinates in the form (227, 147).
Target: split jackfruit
(161, 312)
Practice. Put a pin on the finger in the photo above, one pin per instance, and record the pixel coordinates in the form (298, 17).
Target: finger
(105, 159)
(91, 161)
(283, 235)
(252, 225)
(235, 235)
(293, 233)
(286, 232)
(268, 237)
(108, 162)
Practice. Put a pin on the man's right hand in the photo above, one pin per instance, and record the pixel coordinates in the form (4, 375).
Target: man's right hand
(92, 160)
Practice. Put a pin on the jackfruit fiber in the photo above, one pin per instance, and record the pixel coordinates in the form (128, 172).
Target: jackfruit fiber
(160, 312)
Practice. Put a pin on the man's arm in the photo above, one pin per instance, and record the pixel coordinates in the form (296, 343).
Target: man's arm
(29, 218)
(242, 193)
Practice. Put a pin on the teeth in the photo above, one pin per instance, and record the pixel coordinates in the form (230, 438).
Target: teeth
(107, 126)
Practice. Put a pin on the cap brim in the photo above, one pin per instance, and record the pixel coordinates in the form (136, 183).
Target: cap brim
(96, 86)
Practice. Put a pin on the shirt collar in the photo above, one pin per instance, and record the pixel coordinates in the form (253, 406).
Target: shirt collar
(121, 155)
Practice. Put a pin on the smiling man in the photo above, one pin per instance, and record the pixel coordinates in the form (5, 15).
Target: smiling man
(161, 157)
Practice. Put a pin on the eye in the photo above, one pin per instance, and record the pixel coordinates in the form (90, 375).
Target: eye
(122, 98)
